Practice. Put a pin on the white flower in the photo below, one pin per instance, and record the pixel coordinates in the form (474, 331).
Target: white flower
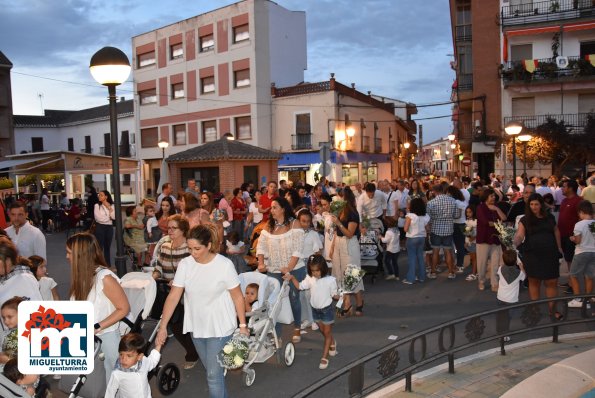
(355, 272)
(238, 361)
(228, 349)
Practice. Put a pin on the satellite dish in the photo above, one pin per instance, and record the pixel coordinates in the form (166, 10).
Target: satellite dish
(562, 62)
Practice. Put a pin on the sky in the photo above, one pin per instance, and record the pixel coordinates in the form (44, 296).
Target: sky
(395, 48)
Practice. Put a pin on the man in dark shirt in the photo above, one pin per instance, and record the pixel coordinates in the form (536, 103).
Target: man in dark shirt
(518, 209)
(566, 220)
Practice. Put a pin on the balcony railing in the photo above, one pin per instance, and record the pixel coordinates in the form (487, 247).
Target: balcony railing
(577, 120)
(463, 33)
(86, 150)
(465, 81)
(365, 144)
(301, 141)
(126, 151)
(377, 145)
(514, 71)
(544, 11)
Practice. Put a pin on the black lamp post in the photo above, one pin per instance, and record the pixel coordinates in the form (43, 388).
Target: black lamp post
(524, 139)
(513, 129)
(111, 67)
(407, 171)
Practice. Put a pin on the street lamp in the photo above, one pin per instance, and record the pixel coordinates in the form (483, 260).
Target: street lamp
(406, 146)
(524, 139)
(111, 67)
(513, 129)
(163, 144)
(451, 137)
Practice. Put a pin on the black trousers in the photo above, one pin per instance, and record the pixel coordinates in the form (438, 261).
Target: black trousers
(105, 235)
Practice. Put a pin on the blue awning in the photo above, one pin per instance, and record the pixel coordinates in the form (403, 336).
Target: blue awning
(299, 158)
(303, 158)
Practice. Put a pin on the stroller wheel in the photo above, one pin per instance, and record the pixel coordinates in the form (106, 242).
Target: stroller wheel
(249, 376)
(289, 354)
(168, 378)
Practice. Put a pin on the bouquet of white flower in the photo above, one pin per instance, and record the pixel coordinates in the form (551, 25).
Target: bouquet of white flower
(352, 277)
(469, 231)
(505, 234)
(235, 352)
(337, 207)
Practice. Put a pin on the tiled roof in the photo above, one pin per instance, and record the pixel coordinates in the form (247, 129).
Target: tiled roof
(4, 61)
(56, 118)
(224, 149)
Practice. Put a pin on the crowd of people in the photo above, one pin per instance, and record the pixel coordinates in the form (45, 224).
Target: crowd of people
(197, 242)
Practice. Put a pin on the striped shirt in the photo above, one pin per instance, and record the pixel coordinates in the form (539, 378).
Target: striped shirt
(168, 259)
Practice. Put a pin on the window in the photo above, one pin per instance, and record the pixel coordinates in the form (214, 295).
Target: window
(179, 134)
(241, 78)
(207, 85)
(241, 33)
(36, 144)
(523, 106)
(521, 52)
(251, 174)
(176, 51)
(586, 103)
(71, 144)
(209, 131)
(243, 128)
(146, 59)
(207, 43)
(302, 124)
(149, 137)
(88, 148)
(107, 145)
(177, 90)
(148, 96)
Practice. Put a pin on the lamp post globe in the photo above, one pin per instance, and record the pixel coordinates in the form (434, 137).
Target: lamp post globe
(111, 67)
(513, 129)
(451, 137)
(524, 139)
(163, 144)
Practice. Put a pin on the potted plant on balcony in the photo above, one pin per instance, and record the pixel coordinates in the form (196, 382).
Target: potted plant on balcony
(548, 69)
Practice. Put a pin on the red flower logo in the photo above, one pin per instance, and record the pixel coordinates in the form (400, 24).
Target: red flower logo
(43, 319)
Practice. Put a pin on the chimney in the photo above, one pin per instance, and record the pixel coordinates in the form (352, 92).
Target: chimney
(122, 99)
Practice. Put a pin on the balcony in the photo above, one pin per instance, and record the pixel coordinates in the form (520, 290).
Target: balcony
(463, 32)
(301, 141)
(365, 144)
(547, 70)
(465, 82)
(573, 120)
(126, 151)
(377, 145)
(546, 11)
(86, 150)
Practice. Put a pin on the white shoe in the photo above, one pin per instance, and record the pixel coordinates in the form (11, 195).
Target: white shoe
(452, 276)
(471, 277)
(305, 324)
(314, 326)
(390, 278)
(460, 270)
(575, 303)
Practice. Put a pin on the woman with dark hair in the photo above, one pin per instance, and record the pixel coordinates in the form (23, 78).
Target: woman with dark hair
(279, 251)
(415, 191)
(191, 209)
(104, 214)
(239, 208)
(459, 226)
(91, 280)
(91, 199)
(165, 210)
(541, 249)
(345, 250)
(415, 229)
(294, 199)
(488, 245)
(213, 302)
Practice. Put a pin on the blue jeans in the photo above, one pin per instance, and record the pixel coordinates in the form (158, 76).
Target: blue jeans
(294, 295)
(391, 264)
(415, 259)
(459, 241)
(208, 349)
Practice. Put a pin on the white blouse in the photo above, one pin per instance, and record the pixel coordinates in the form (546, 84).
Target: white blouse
(278, 249)
(102, 305)
(417, 227)
(322, 290)
(102, 216)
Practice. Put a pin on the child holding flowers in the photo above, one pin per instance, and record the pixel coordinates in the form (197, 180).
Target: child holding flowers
(470, 234)
(323, 289)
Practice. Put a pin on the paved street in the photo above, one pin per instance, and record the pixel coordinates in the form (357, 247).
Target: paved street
(391, 308)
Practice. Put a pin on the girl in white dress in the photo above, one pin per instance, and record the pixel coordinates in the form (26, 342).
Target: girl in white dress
(47, 285)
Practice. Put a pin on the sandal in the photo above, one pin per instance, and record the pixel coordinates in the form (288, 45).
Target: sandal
(345, 312)
(333, 349)
(359, 310)
(323, 363)
(296, 338)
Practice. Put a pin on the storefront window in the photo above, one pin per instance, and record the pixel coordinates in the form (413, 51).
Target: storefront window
(349, 174)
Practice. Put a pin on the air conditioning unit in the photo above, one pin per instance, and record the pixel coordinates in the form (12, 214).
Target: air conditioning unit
(562, 62)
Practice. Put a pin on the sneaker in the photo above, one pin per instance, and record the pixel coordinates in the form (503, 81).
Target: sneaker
(314, 326)
(460, 270)
(575, 303)
(452, 275)
(432, 275)
(406, 282)
(428, 269)
(471, 277)
(390, 278)
(305, 324)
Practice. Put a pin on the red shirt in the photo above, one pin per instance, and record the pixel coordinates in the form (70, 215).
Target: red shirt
(568, 215)
(265, 203)
(238, 204)
(485, 232)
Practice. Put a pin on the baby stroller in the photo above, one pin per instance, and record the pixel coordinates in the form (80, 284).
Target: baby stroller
(370, 249)
(140, 289)
(263, 337)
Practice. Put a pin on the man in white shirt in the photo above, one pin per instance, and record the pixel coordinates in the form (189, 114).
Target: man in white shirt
(542, 189)
(358, 191)
(385, 188)
(402, 195)
(371, 204)
(28, 239)
(166, 190)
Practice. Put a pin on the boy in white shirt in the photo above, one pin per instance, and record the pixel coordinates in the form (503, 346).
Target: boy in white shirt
(129, 378)
(583, 262)
(509, 276)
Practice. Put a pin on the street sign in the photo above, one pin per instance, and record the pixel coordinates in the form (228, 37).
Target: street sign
(325, 169)
(466, 161)
(325, 152)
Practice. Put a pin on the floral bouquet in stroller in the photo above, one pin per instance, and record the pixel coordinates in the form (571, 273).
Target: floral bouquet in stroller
(352, 276)
(235, 352)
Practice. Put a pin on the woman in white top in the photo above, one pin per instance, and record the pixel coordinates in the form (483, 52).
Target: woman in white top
(91, 280)
(279, 251)
(254, 216)
(415, 229)
(212, 300)
(44, 206)
(104, 213)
